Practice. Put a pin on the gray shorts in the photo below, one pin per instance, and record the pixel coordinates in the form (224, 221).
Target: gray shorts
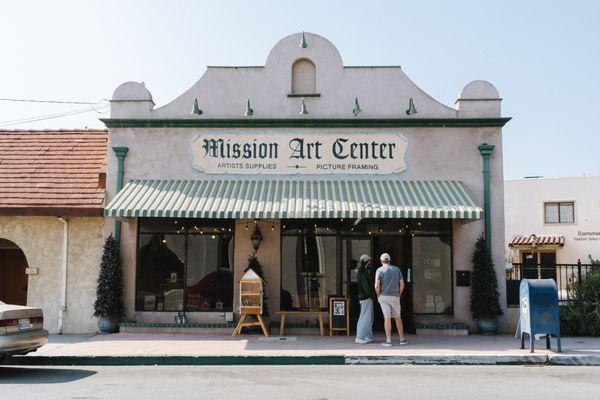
(390, 306)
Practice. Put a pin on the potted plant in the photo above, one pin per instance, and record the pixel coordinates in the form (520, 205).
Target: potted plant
(485, 303)
(109, 307)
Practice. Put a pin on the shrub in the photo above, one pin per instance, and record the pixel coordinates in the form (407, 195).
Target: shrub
(581, 315)
(485, 301)
(109, 292)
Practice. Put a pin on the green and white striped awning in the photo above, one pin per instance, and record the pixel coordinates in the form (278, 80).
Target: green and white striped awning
(276, 199)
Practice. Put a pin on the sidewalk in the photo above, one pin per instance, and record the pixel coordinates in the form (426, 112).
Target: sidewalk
(222, 349)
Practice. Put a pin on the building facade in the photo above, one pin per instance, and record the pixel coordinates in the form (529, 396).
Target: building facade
(322, 162)
(51, 224)
(551, 225)
(553, 220)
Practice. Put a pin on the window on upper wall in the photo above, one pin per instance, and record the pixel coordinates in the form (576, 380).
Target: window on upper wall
(304, 77)
(559, 213)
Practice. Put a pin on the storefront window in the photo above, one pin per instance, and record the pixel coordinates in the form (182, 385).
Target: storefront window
(189, 270)
(308, 271)
(432, 266)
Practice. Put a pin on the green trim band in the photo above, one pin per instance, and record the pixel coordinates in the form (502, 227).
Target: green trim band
(305, 123)
(304, 95)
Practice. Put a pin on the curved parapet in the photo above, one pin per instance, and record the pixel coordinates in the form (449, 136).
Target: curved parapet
(479, 99)
(334, 91)
(131, 100)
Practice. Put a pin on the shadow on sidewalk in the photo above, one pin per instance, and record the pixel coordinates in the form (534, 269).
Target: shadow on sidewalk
(25, 375)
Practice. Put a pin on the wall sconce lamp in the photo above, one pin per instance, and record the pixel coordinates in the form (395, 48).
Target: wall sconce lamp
(256, 238)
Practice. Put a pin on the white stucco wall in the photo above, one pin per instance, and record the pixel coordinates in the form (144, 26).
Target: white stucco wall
(524, 203)
(41, 240)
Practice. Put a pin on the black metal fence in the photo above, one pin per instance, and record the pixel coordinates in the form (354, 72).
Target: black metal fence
(566, 276)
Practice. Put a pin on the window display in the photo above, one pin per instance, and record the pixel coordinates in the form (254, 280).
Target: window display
(185, 265)
(432, 265)
(308, 267)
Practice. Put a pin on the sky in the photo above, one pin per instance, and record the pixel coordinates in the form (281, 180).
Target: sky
(542, 56)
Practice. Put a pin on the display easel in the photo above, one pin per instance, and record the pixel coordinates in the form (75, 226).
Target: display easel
(251, 303)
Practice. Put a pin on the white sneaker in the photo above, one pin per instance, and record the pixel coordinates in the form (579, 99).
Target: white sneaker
(387, 343)
(361, 341)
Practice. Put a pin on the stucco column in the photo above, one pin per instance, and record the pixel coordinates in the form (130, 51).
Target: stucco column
(486, 151)
(120, 152)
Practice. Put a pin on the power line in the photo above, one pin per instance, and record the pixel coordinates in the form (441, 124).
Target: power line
(104, 108)
(55, 101)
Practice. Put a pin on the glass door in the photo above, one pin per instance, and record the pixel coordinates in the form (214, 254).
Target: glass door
(398, 247)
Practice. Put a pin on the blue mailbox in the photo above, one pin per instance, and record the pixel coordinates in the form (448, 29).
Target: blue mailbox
(539, 312)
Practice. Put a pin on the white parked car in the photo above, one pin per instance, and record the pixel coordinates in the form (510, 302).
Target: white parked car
(21, 329)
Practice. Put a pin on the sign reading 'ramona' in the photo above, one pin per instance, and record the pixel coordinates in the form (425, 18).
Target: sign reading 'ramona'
(299, 153)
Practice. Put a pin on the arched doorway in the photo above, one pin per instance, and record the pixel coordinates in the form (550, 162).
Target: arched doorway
(13, 279)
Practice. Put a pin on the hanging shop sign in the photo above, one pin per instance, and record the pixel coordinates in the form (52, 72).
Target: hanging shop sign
(304, 153)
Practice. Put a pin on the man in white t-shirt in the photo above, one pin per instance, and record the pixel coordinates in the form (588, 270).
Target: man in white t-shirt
(389, 285)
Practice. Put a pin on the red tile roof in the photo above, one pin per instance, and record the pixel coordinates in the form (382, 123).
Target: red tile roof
(52, 172)
(533, 241)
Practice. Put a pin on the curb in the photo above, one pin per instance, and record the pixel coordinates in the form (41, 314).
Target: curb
(172, 360)
(449, 360)
(575, 360)
(531, 359)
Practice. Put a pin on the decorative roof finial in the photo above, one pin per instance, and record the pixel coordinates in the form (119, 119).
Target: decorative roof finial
(303, 110)
(303, 41)
(196, 110)
(411, 108)
(249, 111)
(356, 110)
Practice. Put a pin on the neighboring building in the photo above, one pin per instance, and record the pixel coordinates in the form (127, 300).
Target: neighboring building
(51, 201)
(553, 220)
(327, 161)
(550, 221)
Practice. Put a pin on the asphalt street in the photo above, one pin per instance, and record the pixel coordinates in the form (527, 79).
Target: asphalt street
(300, 382)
